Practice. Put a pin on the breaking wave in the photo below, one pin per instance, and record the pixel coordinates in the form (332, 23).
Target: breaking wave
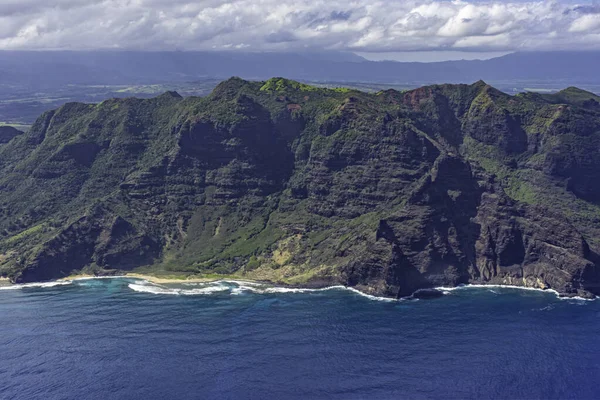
(36, 285)
(235, 288)
(447, 290)
(90, 278)
(147, 287)
(231, 287)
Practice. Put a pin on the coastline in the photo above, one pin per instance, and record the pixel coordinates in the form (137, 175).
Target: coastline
(149, 278)
(275, 287)
(242, 281)
(491, 286)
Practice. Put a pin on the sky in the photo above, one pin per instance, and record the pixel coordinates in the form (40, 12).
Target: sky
(427, 30)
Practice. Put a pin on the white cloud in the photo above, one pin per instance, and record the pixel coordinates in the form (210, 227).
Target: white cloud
(586, 23)
(357, 25)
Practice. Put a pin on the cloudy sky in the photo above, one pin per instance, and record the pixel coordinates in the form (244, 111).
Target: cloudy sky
(376, 28)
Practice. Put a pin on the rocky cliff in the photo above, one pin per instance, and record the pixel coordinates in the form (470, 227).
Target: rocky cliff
(389, 192)
(7, 133)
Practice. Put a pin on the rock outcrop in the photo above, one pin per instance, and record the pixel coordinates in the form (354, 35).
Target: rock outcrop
(7, 133)
(391, 193)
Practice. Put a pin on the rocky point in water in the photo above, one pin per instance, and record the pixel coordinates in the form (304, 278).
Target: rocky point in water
(390, 192)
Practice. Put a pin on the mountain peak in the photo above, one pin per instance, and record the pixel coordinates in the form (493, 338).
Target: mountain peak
(171, 94)
(574, 96)
(229, 87)
(279, 84)
(7, 133)
(574, 91)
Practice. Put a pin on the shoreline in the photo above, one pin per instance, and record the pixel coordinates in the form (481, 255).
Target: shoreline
(5, 283)
(490, 286)
(149, 278)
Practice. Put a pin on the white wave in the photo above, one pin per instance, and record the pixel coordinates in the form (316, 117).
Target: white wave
(575, 298)
(36, 285)
(277, 289)
(240, 287)
(89, 278)
(370, 296)
(234, 287)
(448, 289)
(243, 284)
(147, 287)
(205, 290)
(480, 286)
(150, 289)
(237, 287)
(237, 291)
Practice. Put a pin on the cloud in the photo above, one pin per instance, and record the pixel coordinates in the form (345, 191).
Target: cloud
(586, 23)
(281, 37)
(585, 9)
(258, 25)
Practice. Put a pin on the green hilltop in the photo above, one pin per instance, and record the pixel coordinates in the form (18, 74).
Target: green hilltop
(282, 181)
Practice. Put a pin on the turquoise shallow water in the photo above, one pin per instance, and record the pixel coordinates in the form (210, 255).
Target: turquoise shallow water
(125, 339)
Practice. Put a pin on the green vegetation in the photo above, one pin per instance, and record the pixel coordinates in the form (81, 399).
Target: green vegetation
(26, 233)
(282, 84)
(17, 125)
(572, 95)
(285, 181)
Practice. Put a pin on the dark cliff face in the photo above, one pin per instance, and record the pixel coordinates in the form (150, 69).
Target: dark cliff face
(7, 133)
(389, 192)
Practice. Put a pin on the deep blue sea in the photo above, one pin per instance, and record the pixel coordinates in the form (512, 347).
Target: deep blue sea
(127, 339)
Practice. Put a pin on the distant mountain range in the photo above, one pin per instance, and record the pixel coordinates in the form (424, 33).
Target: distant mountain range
(56, 68)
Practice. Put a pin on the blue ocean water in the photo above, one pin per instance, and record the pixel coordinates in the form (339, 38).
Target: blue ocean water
(122, 339)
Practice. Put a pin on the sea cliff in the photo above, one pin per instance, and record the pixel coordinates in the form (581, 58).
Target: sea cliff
(387, 192)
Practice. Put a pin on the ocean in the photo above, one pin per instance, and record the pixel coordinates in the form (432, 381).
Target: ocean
(128, 339)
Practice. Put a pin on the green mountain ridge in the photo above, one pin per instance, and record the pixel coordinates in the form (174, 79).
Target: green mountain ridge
(7, 133)
(389, 193)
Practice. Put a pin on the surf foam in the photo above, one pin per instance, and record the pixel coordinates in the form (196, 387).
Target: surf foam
(447, 290)
(237, 288)
(262, 289)
(147, 287)
(36, 285)
(89, 278)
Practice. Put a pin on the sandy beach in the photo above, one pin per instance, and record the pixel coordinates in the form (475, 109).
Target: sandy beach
(151, 278)
(156, 279)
